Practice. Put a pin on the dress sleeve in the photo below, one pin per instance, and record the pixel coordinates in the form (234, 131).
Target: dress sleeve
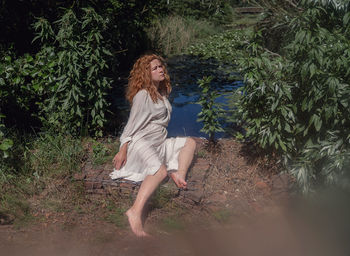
(140, 115)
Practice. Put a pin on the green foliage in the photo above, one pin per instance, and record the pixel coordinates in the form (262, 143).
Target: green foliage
(12, 158)
(161, 197)
(16, 89)
(103, 152)
(216, 11)
(37, 164)
(16, 209)
(5, 143)
(77, 99)
(296, 98)
(267, 106)
(53, 155)
(172, 35)
(226, 47)
(173, 223)
(63, 85)
(117, 217)
(125, 32)
(297, 103)
(210, 112)
(222, 216)
(233, 114)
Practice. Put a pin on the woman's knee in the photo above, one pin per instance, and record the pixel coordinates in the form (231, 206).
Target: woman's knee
(191, 143)
(162, 171)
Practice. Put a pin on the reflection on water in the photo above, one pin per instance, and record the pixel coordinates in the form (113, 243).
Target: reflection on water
(185, 72)
(183, 119)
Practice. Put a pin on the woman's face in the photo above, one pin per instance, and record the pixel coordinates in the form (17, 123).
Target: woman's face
(157, 71)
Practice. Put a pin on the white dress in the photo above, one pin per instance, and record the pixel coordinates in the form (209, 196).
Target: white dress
(146, 132)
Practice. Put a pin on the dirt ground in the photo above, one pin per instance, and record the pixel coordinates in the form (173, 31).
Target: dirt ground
(244, 209)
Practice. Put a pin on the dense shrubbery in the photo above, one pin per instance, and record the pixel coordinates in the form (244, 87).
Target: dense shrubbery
(125, 32)
(62, 85)
(61, 88)
(296, 101)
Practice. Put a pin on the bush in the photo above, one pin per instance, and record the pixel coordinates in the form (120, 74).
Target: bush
(11, 155)
(297, 104)
(77, 99)
(211, 111)
(63, 85)
(296, 99)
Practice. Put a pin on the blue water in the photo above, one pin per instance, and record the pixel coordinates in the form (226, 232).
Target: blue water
(185, 110)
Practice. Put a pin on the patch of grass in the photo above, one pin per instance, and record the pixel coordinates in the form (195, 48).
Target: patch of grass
(78, 193)
(173, 34)
(46, 163)
(172, 223)
(115, 214)
(78, 209)
(245, 20)
(100, 153)
(55, 155)
(15, 209)
(54, 204)
(201, 154)
(24, 221)
(222, 216)
(161, 198)
(103, 152)
(117, 217)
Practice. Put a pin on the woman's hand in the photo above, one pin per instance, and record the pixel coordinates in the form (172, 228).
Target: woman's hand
(119, 159)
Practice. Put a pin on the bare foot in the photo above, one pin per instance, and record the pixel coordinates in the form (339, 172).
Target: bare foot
(179, 179)
(136, 223)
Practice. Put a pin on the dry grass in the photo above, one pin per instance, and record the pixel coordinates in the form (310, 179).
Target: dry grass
(173, 34)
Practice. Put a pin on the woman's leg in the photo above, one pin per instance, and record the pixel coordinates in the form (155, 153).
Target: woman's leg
(148, 186)
(185, 159)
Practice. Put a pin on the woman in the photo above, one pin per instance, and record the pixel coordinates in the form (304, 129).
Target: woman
(146, 154)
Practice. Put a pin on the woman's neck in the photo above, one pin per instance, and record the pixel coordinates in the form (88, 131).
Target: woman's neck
(156, 84)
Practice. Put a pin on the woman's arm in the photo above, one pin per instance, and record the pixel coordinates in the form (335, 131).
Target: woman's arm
(139, 117)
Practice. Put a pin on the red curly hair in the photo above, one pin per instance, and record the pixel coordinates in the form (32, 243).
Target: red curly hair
(140, 78)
